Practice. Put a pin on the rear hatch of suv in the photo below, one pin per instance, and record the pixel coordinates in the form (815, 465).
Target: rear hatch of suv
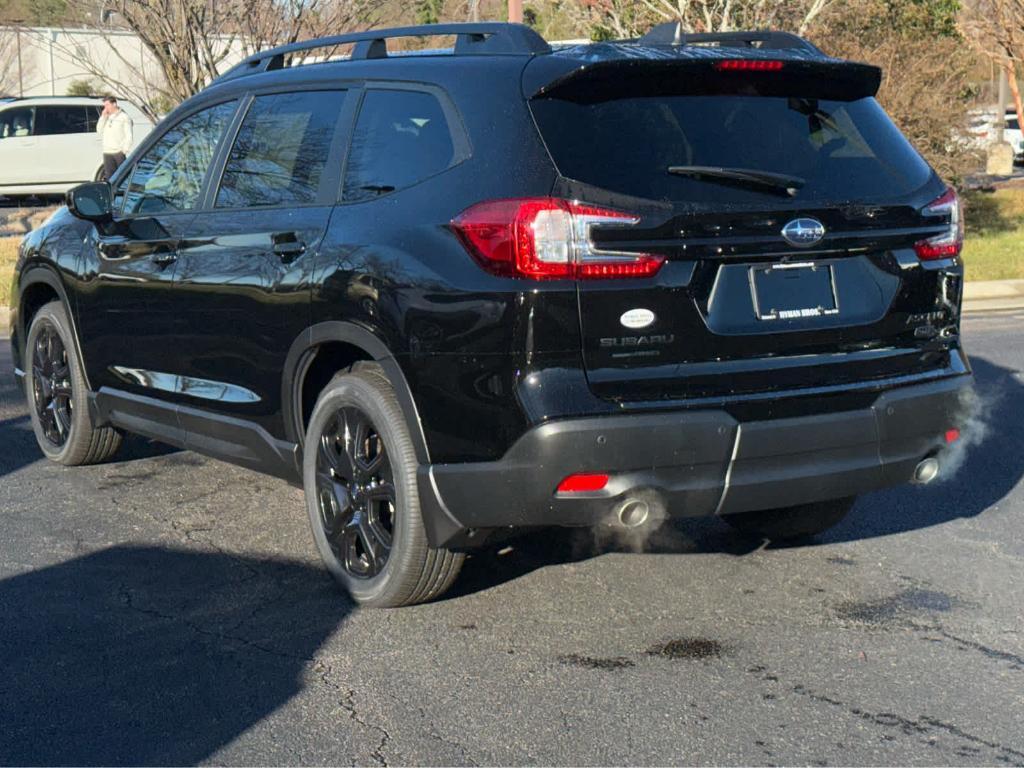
(805, 243)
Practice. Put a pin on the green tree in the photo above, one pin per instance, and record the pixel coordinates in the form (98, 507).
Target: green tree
(83, 88)
(429, 11)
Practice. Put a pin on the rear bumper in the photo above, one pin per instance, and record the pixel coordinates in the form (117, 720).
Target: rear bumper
(692, 463)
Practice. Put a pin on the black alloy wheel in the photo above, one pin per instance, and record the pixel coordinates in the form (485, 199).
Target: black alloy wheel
(355, 493)
(51, 385)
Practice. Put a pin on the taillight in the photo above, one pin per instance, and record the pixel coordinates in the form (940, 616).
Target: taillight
(583, 483)
(948, 244)
(546, 238)
(749, 65)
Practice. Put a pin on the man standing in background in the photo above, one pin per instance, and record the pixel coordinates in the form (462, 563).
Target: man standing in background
(115, 130)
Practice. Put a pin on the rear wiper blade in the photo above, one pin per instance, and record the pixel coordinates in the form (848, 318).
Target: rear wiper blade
(780, 181)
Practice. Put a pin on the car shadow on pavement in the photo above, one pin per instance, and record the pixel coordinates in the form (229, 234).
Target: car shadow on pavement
(138, 655)
(989, 469)
(17, 440)
(18, 447)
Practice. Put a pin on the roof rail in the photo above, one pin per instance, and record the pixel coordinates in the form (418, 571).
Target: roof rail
(671, 33)
(477, 38)
(62, 96)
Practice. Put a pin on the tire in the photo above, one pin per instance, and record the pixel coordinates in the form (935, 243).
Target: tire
(792, 522)
(362, 499)
(58, 396)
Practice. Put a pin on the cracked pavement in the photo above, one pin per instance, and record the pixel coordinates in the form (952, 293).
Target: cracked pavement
(170, 609)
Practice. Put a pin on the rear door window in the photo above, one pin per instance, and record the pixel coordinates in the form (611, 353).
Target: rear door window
(401, 137)
(281, 150)
(52, 121)
(843, 150)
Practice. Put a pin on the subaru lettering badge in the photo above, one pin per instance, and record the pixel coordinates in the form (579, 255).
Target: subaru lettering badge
(803, 232)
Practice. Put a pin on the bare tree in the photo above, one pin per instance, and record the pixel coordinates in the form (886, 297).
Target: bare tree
(191, 41)
(629, 18)
(726, 15)
(15, 69)
(996, 29)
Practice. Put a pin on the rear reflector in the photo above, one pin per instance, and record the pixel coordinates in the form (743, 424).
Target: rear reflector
(547, 238)
(583, 483)
(952, 435)
(948, 244)
(749, 65)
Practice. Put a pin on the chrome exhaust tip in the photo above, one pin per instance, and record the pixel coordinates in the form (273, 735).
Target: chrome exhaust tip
(926, 471)
(633, 513)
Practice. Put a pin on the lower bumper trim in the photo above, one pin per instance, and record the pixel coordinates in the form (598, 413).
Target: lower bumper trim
(694, 462)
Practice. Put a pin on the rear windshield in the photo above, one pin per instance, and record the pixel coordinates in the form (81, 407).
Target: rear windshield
(843, 150)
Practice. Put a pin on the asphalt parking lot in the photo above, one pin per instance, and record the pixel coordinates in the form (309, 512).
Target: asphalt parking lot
(170, 609)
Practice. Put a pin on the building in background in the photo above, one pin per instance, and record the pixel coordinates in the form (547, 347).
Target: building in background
(46, 61)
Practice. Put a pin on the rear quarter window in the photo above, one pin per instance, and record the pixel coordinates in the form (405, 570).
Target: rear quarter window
(843, 150)
(401, 137)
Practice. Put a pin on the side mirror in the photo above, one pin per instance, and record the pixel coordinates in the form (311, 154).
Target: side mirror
(91, 201)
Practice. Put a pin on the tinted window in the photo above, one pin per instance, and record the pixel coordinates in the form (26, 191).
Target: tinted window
(169, 177)
(401, 137)
(279, 155)
(16, 122)
(51, 121)
(92, 117)
(843, 150)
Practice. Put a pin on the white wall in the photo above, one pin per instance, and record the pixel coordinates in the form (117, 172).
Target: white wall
(51, 58)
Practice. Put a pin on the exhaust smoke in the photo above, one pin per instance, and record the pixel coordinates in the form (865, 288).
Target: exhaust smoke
(973, 415)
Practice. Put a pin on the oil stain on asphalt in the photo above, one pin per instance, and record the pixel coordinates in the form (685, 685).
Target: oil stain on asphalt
(591, 662)
(687, 648)
(896, 608)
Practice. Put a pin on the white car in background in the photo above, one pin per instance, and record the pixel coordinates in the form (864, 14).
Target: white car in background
(1012, 134)
(48, 144)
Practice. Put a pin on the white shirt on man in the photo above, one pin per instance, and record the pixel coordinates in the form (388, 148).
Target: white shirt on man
(116, 133)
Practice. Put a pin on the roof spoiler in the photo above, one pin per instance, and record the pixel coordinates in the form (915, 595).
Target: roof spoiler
(593, 81)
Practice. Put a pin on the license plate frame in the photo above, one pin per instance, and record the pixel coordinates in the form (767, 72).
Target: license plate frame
(774, 299)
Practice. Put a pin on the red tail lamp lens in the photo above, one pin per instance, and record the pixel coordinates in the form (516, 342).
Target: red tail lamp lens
(749, 65)
(952, 435)
(582, 483)
(549, 238)
(948, 244)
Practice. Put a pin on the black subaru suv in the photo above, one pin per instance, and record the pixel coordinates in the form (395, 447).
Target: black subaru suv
(504, 285)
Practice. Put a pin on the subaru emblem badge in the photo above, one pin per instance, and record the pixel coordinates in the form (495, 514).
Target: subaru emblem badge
(803, 233)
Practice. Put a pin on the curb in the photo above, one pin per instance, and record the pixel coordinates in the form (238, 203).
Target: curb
(994, 306)
(993, 296)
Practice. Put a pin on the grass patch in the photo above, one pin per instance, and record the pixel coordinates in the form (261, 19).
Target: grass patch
(994, 246)
(8, 255)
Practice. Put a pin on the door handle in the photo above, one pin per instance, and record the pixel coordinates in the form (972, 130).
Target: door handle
(289, 250)
(167, 257)
(110, 248)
